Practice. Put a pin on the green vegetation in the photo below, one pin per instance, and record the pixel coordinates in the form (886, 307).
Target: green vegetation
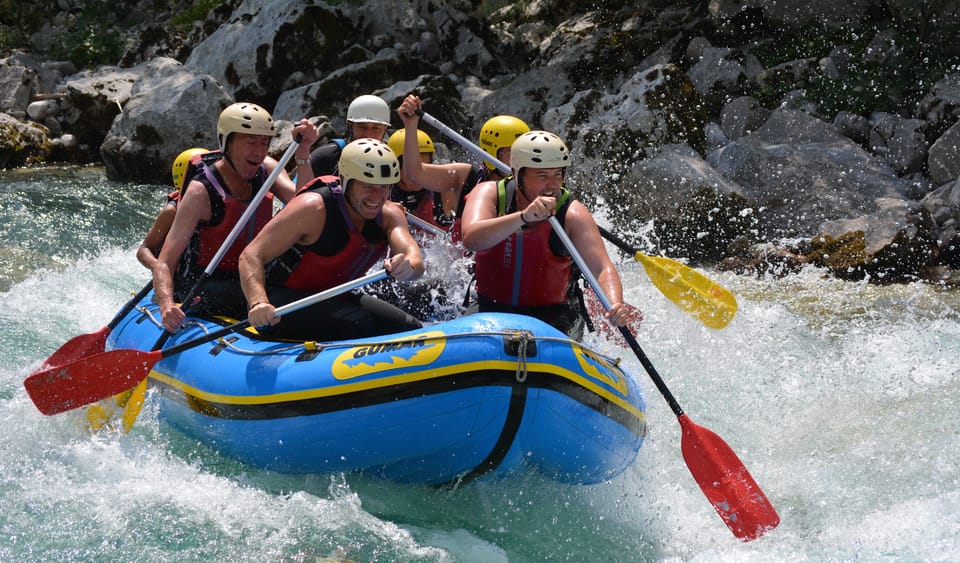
(96, 33)
(18, 20)
(195, 12)
(94, 39)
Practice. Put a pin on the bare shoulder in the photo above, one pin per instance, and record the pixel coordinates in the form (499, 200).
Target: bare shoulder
(485, 189)
(305, 202)
(194, 200)
(393, 212)
(579, 216)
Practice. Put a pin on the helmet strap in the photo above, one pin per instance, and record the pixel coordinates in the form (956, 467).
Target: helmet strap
(346, 197)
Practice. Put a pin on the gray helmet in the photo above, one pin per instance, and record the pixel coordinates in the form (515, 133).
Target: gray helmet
(368, 109)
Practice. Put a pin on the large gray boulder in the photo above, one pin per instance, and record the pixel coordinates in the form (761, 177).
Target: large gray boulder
(801, 172)
(254, 53)
(170, 109)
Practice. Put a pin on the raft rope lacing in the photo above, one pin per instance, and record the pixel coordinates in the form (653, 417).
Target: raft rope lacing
(522, 338)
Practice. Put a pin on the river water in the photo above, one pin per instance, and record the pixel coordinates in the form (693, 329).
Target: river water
(841, 398)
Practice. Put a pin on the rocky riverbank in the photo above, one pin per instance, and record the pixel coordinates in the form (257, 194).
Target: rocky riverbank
(757, 136)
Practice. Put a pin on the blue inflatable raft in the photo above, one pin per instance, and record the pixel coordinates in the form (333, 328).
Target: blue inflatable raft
(481, 396)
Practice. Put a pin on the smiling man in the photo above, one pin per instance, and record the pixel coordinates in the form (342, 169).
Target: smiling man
(331, 233)
(521, 265)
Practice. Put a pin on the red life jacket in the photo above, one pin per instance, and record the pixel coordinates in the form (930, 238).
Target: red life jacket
(342, 253)
(225, 211)
(529, 268)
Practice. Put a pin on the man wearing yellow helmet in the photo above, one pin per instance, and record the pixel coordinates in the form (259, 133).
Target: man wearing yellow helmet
(368, 117)
(497, 135)
(210, 205)
(521, 265)
(332, 232)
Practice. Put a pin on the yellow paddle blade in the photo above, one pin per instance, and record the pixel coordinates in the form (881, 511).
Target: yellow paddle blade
(104, 414)
(694, 292)
(120, 408)
(134, 403)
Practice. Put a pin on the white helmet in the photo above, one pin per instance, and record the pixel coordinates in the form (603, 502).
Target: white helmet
(368, 109)
(370, 161)
(244, 117)
(538, 149)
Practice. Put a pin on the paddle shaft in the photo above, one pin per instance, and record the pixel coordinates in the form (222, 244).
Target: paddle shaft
(617, 241)
(234, 232)
(464, 142)
(425, 225)
(280, 311)
(627, 335)
(130, 305)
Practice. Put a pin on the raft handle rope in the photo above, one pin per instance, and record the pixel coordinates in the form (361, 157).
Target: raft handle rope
(308, 346)
(522, 338)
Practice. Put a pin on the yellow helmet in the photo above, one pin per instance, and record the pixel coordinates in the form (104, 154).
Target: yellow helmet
(181, 163)
(396, 142)
(499, 133)
(244, 117)
(370, 161)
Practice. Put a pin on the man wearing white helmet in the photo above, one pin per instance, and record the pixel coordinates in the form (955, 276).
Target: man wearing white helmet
(521, 265)
(368, 117)
(211, 204)
(333, 232)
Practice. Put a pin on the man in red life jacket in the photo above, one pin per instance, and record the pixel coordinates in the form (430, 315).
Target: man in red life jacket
(521, 265)
(334, 231)
(211, 204)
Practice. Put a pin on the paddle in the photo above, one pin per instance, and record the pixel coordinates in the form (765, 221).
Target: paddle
(96, 377)
(695, 293)
(721, 475)
(426, 225)
(91, 343)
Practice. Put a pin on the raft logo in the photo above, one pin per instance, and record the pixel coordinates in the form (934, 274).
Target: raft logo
(414, 351)
(599, 368)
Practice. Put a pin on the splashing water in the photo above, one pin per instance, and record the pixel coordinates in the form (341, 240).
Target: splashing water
(839, 397)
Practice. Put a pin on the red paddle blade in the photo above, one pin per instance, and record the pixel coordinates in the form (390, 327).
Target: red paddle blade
(726, 482)
(79, 347)
(88, 380)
